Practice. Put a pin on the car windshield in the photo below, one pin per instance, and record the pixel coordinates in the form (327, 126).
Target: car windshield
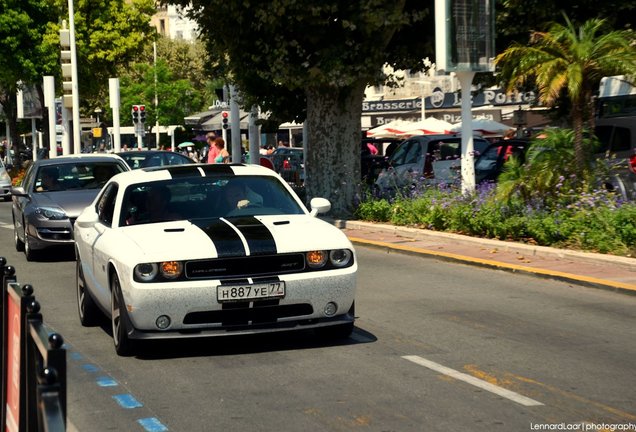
(77, 175)
(146, 160)
(206, 197)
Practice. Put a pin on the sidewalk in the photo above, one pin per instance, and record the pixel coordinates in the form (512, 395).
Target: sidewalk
(591, 269)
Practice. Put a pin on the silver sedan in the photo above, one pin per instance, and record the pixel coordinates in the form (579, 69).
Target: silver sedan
(52, 195)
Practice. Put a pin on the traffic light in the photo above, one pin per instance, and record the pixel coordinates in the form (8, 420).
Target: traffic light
(142, 113)
(225, 119)
(135, 114)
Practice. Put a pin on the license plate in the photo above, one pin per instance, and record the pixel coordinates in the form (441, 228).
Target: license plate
(226, 293)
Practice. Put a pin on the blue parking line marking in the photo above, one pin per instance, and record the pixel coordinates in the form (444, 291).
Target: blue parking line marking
(152, 424)
(106, 382)
(76, 356)
(90, 368)
(127, 401)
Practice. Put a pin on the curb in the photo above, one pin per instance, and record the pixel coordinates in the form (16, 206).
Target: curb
(420, 234)
(530, 250)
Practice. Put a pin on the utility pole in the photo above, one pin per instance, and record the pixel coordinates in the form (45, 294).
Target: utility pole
(77, 127)
(157, 136)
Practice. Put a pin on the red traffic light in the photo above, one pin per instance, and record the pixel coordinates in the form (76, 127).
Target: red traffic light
(135, 107)
(224, 114)
(142, 107)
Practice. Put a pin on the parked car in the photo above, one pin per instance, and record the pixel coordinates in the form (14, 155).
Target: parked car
(290, 164)
(5, 183)
(151, 158)
(424, 159)
(617, 136)
(52, 195)
(372, 164)
(489, 164)
(230, 249)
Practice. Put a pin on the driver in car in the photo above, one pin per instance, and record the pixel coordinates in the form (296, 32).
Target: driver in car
(238, 196)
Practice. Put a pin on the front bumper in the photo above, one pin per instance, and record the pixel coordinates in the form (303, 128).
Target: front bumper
(194, 310)
(43, 234)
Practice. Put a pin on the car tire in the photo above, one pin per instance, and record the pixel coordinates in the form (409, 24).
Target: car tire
(19, 244)
(86, 307)
(29, 252)
(124, 346)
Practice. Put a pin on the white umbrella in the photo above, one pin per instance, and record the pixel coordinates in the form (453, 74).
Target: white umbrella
(390, 129)
(428, 126)
(485, 127)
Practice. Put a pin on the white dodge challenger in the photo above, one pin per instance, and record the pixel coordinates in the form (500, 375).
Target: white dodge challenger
(210, 250)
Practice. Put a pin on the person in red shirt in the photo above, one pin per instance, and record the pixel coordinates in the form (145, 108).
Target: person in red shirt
(213, 150)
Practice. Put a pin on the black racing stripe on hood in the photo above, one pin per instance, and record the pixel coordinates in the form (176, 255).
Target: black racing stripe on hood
(227, 241)
(259, 238)
(183, 171)
(217, 169)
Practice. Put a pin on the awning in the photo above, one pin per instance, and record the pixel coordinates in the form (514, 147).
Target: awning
(216, 122)
(199, 118)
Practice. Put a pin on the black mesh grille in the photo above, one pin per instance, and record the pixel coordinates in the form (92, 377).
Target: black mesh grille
(223, 268)
(240, 314)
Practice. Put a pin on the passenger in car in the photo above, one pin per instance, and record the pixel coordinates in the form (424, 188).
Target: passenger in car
(155, 207)
(101, 174)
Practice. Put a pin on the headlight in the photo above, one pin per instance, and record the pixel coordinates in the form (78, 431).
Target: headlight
(316, 259)
(50, 213)
(4, 176)
(146, 272)
(171, 269)
(340, 257)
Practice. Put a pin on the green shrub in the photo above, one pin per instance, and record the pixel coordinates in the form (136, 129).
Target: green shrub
(594, 221)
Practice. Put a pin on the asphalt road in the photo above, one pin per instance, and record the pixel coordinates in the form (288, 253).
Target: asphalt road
(437, 347)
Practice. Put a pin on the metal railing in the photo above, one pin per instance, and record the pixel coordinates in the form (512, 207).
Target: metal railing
(33, 362)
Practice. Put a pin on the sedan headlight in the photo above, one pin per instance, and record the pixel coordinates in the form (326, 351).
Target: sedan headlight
(4, 176)
(50, 213)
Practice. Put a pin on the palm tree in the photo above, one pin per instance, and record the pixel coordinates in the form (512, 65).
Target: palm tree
(568, 61)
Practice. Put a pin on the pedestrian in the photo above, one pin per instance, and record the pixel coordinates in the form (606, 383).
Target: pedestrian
(222, 155)
(212, 151)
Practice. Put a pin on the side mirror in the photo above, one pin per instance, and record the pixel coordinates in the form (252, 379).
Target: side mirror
(19, 192)
(87, 218)
(319, 206)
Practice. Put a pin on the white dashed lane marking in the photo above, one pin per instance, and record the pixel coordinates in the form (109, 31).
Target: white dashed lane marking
(500, 391)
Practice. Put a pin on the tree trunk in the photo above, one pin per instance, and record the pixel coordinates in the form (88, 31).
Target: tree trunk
(332, 162)
(577, 124)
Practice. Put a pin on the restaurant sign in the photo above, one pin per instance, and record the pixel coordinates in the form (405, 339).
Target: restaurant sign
(440, 100)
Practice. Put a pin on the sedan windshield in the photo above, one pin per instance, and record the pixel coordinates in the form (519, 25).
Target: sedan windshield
(81, 175)
(201, 198)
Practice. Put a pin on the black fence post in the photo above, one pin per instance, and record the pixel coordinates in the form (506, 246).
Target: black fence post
(46, 371)
(33, 362)
(3, 338)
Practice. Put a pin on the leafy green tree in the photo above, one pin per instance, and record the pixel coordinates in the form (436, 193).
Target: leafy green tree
(570, 60)
(177, 97)
(183, 81)
(24, 55)
(548, 172)
(281, 52)
(516, 19)
(108, 34)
